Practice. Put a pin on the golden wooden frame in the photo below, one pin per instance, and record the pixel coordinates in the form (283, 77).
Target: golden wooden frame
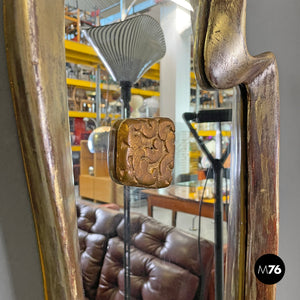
(34, 34)
(222, 61)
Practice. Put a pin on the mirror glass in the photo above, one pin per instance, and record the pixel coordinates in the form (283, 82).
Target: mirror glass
(194, 188)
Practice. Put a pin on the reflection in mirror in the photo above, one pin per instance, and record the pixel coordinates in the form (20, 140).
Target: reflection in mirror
(173, 211)
(204, 191)
(199, 183)
(179, 205)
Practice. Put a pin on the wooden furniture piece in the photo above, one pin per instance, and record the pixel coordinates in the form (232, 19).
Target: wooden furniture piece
(99, 186)
(166, 198)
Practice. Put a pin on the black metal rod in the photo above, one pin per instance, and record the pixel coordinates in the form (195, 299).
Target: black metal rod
(217, 165)
(127, 242)
(126, 97)
(188, 117)
(210, 115)
(214, 115)
(218, 216)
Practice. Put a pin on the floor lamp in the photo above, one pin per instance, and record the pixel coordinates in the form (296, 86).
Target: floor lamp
(128, 49)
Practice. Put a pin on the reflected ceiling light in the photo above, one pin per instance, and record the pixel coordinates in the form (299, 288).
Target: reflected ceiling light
(183, 20)
(184, 4)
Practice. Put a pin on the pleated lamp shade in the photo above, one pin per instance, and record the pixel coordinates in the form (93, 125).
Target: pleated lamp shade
(128, 48)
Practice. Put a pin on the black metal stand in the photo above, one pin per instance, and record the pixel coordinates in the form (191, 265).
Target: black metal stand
(127, 242)
(218, 215)
(126, 96)
(216, 115)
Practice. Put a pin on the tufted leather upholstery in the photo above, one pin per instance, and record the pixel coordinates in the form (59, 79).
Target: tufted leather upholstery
(165, 263)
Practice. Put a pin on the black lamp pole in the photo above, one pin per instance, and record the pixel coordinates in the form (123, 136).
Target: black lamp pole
(217, 115)
(126, 96)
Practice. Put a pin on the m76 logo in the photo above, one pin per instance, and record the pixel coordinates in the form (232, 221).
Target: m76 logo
(269, 269)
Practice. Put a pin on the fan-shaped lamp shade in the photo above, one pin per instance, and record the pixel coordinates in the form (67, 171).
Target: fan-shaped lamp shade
(128, 48)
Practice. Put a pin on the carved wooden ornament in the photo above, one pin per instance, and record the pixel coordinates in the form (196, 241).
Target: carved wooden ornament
(222, 61)
(142, 152)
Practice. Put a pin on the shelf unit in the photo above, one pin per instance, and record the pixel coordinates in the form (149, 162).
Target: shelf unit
(81, 114)
(69, 20)
(85, 55)
(98, 187)
(82, 54)
(90, 85)
(76, 148)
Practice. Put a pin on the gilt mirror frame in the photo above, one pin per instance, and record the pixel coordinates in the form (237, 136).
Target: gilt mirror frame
(36, 65)
(222, 61)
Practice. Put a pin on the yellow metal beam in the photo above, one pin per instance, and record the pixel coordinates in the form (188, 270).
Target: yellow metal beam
(76, 148)
(83, 84)
(83, 54)
(152, 74)
(88, 85)
(144, 92)
(212, 133)
(80, 114)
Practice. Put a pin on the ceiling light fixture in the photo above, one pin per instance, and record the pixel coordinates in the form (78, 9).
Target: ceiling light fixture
(184, 4)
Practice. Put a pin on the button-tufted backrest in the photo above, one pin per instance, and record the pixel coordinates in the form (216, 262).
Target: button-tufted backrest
(165, 261)
(95, 226)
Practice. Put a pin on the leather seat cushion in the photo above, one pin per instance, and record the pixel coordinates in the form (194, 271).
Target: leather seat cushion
(151, 278)
(95, 226)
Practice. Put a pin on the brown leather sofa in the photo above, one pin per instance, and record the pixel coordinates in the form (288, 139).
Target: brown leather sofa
(165, 263)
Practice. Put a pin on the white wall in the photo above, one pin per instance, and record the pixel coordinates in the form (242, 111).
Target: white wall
(275, 25)
(175, 78)
(20, 274)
